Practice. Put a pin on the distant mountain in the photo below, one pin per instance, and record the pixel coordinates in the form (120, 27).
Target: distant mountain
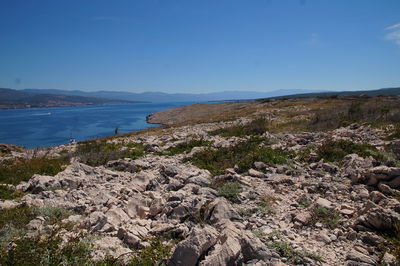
(171, 97)
(10, 98)
(383, 92)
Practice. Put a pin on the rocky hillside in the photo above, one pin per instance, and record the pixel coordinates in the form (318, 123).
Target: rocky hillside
(12, 99)
(281, 182)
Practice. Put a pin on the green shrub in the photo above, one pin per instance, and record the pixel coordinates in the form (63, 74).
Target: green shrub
(15, 171)
(243, 155)
(395, 134)
(7, 193)
(304, 202)
(373, 111)
(52, 214)
(335, 151)
(327, 217)
(17, 217)
(99, 152)
(294, 256)
(266, 204)
(155, 254)
(230, 191)
(186, 146)
(46, 251)
(256, 127)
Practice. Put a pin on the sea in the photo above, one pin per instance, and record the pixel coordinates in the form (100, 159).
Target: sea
(44, 127)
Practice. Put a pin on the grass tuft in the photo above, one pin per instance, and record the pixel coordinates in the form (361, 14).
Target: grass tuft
(327, 217)
(230, 191)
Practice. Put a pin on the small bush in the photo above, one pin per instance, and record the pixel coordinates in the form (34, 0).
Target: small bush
(99, 152)
(230, 190)
(256, 127)
(186, 146)
(327, 217)
(36, 250)
(294, 256)
(20, 216)
(17, 217)
(303, 202)
(52, 214)
(243, 155)
(266, 204)
(155, 254)
(265, 208)
(7, 193)
(15, 171)
(47, 251)
(335, 151)
(395, 134)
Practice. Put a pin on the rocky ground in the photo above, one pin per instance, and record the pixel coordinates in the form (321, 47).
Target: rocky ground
(307, 210)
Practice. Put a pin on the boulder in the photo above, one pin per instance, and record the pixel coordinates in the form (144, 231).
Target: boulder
(254, 173)
(382, 175)
(359, 257)
(96, 221)
(8, 204)
(128, 238)
(188, 251)
(354, 166)
(169, 170)
(324, 203)
(260, 165)
(39, 183)
(227, 249)
(108, 247)
(220, 209)
(116, 216)
(389, 259)
(156, 206)
(380, 219)
(136, 208)
(253, 248)
(303, 218)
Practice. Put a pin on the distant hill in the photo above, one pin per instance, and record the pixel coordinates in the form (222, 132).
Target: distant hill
(204, 97)
(10, 99)
(382, 92)
(172, 97)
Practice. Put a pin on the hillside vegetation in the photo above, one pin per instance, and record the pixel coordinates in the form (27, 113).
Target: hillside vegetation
(294, 181)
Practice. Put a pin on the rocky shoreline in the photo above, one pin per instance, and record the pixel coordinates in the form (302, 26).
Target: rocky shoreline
(304, 209)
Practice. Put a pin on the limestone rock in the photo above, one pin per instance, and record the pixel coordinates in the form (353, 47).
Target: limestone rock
(303, 217)
(356, 256)
(188, 251)
(324, 203)
(220, 209)
(255, 173)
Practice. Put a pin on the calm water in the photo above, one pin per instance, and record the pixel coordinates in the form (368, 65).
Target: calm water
(42, 127)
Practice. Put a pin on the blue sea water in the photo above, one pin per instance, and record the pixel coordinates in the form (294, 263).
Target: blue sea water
(43, 127)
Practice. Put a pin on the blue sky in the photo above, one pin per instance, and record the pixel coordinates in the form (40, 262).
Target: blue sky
(199, 45)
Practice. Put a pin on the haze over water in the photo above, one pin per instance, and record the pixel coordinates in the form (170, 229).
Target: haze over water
(42, 127)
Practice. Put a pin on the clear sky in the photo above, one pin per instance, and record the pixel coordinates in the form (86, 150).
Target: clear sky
(199, 45)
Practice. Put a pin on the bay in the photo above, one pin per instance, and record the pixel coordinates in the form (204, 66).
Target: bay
(44, 127)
